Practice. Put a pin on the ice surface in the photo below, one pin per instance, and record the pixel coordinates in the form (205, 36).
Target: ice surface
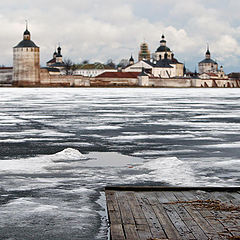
(60, 147)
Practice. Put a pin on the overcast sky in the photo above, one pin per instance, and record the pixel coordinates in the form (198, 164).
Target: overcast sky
(98, 30)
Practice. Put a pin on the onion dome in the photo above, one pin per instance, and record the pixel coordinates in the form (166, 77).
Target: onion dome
(131, 59)
(163, 47)
(54, 54)
(26, 32)
(59, 52)
(163, 39)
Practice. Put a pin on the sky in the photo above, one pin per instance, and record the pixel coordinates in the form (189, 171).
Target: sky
(98, 30)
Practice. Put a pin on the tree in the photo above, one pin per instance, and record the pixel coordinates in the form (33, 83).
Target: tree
(123, 63)
(85, 62)
(68, 66)
(111, 64)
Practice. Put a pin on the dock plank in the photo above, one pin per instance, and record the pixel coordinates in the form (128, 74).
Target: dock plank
(113, 208)
(208, 215)
(164, 220)
(153, 223)
(186, 217)
(180, 225)
(117, 232)
(198, 218)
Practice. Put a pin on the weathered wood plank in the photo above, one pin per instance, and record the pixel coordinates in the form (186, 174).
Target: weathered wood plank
(181, 227)
(153, 223)
(131, 232)
(186, 217)
(198, 218)
(113, 208)
(144, 232)
(229, 218)
(137, 211)
(125, 210)
(168, 227)
(208, 215)
(116, 232)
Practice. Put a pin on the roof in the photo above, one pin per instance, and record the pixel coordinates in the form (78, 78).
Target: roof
(6, 68)
(164, 63)
(94, 66)
(57, 64)
(208, 61)
(26, 44)
(210, 74)
(52, 60)
(163, 49)
(51, 69)
(119, 75)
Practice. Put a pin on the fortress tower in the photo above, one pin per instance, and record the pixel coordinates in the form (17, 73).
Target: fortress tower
(26, 62)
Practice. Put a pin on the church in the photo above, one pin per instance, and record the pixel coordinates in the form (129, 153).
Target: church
(208, 65)
(163, 64)
(57, 60)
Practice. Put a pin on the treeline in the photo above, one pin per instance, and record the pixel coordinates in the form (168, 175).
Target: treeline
(70, 66)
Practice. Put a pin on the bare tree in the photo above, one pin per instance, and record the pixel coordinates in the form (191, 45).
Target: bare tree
(68, 66)
(111, 64)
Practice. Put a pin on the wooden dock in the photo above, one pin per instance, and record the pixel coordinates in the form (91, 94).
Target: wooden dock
(149, 213)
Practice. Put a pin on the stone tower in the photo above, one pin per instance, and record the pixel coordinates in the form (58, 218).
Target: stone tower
(26, 62)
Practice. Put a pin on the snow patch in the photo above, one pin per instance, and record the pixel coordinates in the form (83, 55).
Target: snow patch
(169, 169)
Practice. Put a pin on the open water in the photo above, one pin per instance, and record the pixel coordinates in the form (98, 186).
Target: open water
(60, 147)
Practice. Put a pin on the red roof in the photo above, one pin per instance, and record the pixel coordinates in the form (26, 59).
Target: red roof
(5, 68)
(211, 74)
(119, 75)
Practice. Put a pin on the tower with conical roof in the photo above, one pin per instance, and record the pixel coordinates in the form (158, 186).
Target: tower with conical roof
(26, 62)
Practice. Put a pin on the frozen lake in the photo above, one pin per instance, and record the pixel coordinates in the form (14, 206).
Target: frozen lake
(60, 147)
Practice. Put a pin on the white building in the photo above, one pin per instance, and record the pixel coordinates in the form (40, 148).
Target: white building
(93, 70)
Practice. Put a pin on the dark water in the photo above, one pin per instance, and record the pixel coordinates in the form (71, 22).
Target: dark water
(60, 147)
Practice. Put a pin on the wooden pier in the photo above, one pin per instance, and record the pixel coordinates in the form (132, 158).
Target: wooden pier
(149, 213)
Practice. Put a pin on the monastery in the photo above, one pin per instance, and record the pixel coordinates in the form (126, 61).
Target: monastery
(160, 69)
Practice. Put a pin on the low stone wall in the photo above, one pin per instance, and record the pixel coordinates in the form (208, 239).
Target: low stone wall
(214, 83)
(170, 82)
(114, 82)
(48, 80)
